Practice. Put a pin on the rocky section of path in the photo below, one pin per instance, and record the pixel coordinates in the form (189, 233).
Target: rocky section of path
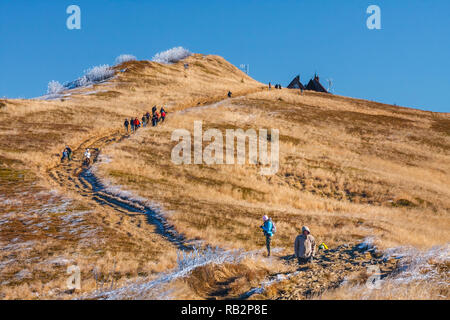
(330, 269)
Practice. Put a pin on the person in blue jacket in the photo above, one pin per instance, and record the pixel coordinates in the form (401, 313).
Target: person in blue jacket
(269, 229)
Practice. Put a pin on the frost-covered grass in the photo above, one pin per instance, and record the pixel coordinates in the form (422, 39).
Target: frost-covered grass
(125, 58)
(419, 275)
(186, 263)
(172, 55)
(416, 265)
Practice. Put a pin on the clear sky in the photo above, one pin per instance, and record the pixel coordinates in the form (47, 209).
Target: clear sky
(406, 63)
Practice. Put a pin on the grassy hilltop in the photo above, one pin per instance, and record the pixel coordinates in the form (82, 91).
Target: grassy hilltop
(349, 169)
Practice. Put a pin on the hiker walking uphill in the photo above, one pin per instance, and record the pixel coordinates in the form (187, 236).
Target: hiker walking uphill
(269, 229)
(67, 153)
(64, 155)
(137, 124)
(87, 158)
(132, 124)
(305, 246)
(163, 114)
(155, 119)
(126, 124)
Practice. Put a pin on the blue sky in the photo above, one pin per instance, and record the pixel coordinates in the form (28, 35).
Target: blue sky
(406, 63)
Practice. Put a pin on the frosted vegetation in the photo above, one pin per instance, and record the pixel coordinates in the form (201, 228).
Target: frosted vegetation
(103, 72)
(125, 58)
(420, 265)
(54, 87)
(91, 76)
(172, 55)
(95, 74)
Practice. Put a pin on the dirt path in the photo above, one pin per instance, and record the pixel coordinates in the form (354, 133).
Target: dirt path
(71, 176)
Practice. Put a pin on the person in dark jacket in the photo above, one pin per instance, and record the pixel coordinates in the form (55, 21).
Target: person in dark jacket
(126, 124)
(163, 114)
(69, 153)
(132, 125)
(64, 155)
(229, 94)
(154, 120)
(153, 110)
(143, 121)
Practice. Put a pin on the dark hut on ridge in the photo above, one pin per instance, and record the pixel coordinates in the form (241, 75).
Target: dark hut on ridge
(314, 84)
(296, 84)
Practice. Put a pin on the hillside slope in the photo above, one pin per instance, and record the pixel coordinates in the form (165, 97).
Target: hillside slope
(349, 169)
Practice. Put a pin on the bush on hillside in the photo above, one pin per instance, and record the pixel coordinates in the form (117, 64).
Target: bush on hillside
(91, 76)
(54, 87)
(125, 58)
(172, 55)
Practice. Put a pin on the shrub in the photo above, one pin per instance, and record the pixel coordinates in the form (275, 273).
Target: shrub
(172, 55)
(98, 73)
(54, 87)
(91, 76)
(125, 58)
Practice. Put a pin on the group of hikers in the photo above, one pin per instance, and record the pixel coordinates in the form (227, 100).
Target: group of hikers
(155, 118)
(134, 124)
(277, 86)
(68, 153)
(304, 244)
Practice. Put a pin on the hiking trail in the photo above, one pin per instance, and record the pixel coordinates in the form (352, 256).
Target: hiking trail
(329, 269)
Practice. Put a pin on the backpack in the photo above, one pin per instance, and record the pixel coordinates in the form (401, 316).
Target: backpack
(274, 228)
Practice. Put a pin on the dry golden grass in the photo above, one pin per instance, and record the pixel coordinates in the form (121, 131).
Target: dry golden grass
(32, 136)
(343, 186)
(348, 169)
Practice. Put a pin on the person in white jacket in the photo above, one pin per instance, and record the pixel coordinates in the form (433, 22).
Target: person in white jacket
(87, 157)
(305, 246)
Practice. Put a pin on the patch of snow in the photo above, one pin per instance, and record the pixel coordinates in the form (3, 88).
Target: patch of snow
(419, 265)
(10, 202)
(13, 246)
(58, 261)
(368, 244)
(104, 158)
(23, 274)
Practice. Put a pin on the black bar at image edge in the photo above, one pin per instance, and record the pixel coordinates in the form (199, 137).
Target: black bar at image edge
(219, 309)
